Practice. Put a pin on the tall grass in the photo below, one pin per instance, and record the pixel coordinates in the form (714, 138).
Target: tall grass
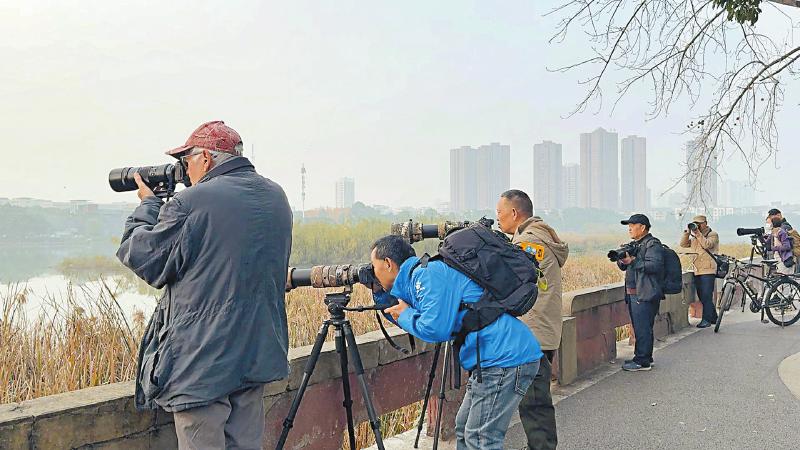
(79, 339)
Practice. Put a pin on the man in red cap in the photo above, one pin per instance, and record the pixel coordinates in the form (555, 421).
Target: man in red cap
(220, 249)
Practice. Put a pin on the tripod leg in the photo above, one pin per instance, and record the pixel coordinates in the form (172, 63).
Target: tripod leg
(341, 349)
(362, 383)
(428, 389)
(442, 387)
(309, 369)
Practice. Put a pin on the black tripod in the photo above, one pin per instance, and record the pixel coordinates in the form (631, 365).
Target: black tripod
(448, 375)
(344, 338)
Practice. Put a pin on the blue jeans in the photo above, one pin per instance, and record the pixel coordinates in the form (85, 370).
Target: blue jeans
(484, 415)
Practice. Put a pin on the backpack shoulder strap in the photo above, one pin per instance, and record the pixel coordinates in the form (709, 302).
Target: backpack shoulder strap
(421, 262)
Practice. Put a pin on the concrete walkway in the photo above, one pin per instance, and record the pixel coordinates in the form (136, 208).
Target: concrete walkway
(707, 391)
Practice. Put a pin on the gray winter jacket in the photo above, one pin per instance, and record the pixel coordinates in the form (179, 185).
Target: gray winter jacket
(647, 270)
(221, 250)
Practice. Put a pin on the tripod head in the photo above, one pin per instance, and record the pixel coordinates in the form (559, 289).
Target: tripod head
(337, 303)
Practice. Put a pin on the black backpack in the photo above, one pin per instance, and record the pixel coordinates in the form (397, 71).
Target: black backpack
(673, 273)
(507, 273)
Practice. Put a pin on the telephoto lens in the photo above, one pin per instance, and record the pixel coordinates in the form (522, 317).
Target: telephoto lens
(327, 276)
(750, 231)
(158, 178)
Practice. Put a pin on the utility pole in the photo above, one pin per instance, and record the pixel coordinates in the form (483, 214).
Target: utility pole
(303, 192)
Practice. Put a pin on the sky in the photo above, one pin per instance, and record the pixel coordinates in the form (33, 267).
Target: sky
(378, 92)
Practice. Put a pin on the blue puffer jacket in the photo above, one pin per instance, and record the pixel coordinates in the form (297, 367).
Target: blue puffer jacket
(434, 294)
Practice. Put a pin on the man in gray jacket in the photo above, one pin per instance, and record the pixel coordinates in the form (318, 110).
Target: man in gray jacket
(220, 249)
(644, 277)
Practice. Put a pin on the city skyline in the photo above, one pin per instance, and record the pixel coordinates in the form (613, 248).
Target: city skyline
(84, 98)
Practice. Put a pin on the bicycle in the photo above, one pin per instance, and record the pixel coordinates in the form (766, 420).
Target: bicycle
(779, 297)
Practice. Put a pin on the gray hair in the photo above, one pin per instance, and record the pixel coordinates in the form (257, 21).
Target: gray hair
(217, 156)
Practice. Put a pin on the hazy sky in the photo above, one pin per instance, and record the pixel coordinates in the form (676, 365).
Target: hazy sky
(376, 92)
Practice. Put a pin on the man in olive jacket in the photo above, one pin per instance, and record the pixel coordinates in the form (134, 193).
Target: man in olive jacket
(536, 411)
(703, 241)
(220, 249)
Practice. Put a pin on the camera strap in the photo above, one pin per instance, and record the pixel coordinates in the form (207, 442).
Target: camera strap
(391, 341)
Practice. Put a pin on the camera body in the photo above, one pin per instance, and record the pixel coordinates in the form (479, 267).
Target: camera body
(161, 179)
(620, 253)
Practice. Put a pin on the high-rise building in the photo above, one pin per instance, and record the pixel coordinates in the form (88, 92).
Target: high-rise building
(634, 174)
(736, 193)
(463, 183)
(701, 176)
(478, 176)
(345, 192)
(570, 180)
(599, 170)
(547, 184)
(494, 174)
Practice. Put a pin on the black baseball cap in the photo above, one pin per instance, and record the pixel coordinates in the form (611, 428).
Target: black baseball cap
(637, 218)
(773, 211)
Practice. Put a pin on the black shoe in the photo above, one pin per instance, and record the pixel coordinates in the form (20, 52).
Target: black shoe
(652, 363)
(704, 324)
(634, 367)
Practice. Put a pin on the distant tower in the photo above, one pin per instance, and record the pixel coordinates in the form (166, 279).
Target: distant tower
(303, 191)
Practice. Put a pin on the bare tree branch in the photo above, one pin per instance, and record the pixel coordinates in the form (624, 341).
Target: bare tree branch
(710, 53)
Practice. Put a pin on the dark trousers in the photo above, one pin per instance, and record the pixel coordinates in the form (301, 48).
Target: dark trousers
(536, 409)
(704, 284)
(643, 316)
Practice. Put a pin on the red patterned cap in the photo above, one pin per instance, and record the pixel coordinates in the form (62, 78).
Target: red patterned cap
(212, 136)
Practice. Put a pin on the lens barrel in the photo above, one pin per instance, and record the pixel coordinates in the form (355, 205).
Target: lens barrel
(121, 180)
(323, 276)
(749, 231)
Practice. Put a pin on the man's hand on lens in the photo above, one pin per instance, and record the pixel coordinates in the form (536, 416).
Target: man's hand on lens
(143, 191)
(696, 232)
(627, 260)
(397, 309)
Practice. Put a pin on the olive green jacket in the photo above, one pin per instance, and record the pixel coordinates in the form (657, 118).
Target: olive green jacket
(545, 316)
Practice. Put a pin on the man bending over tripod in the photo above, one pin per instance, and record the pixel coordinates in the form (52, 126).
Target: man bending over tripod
(429, 307)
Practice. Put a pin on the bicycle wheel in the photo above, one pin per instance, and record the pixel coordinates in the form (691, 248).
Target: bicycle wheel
(725, 300)
(782, 302)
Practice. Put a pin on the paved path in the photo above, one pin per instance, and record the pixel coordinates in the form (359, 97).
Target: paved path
(707, 391)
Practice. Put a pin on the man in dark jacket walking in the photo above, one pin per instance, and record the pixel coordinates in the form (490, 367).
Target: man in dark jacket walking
(644, 278)
(220, 249)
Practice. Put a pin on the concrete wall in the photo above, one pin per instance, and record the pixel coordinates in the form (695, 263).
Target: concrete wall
(591, 315)
(104, 417)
